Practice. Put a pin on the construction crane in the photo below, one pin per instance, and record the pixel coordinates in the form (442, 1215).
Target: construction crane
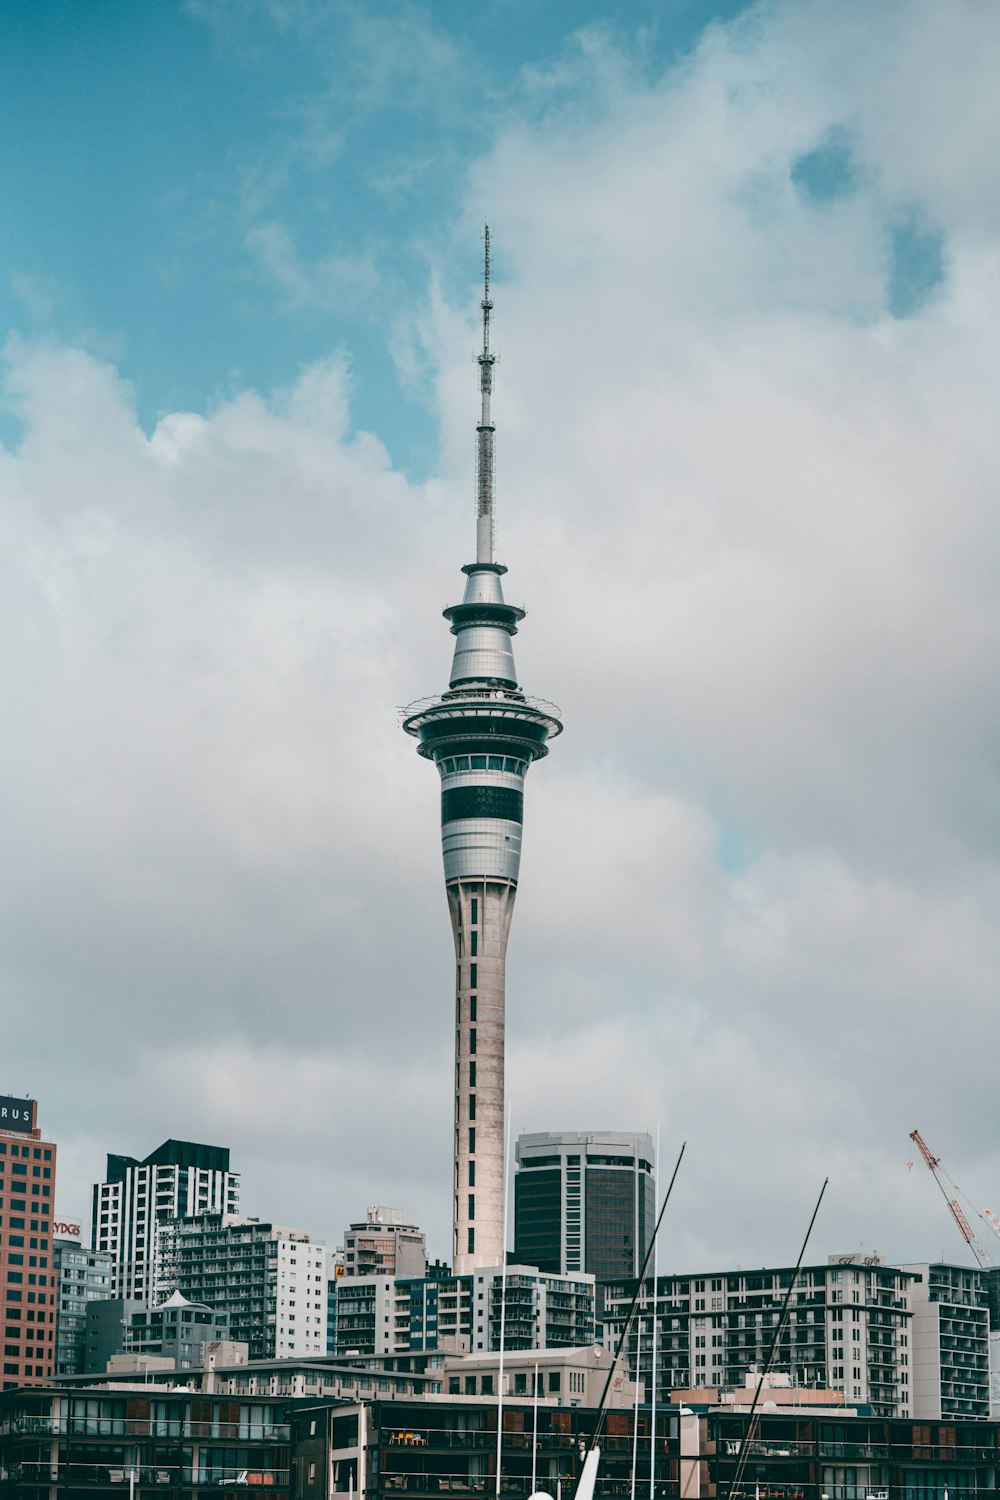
(951, 1195)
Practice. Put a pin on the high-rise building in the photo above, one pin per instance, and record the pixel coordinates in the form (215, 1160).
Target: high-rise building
(848, 1329)
(177, 1179)
(83, 1276)
(271, 1281)
(384, 1244)
(482, 735)
(584, 1201)
(27, 1276)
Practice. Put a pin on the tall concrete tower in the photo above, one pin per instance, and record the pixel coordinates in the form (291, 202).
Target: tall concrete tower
(482, 734)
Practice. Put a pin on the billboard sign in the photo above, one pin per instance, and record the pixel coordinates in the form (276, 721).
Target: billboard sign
(68, 1229)
(17, 1114)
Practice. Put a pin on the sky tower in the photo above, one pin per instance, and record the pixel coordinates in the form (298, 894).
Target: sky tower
(482, 734)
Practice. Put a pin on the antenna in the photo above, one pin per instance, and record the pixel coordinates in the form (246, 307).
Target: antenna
(485, 430)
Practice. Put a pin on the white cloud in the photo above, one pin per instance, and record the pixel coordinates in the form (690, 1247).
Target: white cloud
(753, 517)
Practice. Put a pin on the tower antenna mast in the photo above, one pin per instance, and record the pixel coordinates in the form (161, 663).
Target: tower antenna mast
(484, 441)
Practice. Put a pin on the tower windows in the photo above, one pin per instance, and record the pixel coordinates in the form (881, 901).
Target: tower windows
(472, 1241)
(472, 1075)
(472, 1007)
(472, 1041)
(473, 975)
(475, 910)
(472, 1106)
(472, 1140)
(473, 943)
(472, 1205)
(472, 1174)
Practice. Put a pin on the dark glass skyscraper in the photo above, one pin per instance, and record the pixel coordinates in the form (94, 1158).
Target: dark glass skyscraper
(584, 1201)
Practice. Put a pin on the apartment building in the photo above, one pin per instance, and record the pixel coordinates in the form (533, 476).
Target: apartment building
(270, 1280)
(950, 1342)
(848, 1328)
(82, 1276)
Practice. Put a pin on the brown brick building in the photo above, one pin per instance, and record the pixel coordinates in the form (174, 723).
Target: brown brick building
(27, 1278)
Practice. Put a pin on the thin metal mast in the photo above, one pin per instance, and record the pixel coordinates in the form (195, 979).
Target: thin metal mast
(485, 430)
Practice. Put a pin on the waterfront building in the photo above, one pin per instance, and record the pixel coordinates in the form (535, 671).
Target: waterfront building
(482, 735)
(584, 1201)
(27, 1273)
(82, 1276)
(78, 1440)
(270, 1280)
(949, 1353)
(848, 1329)
(461, 1314)
(384, 1244)
(381, 1448)
(177, 1179)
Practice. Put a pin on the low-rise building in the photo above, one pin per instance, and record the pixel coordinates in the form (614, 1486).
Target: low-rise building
(74, 1441)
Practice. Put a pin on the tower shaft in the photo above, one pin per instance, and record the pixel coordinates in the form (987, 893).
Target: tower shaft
(482, 734)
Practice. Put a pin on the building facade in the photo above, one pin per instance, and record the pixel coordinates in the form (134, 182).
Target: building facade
(27, 1272)
(848, 1329)
(462, 1314)
(177, 1179)
(82, 1276)
(271, 1281)
(384, 1244)
(482, 735)
(75, 1441)
(584, 1201)
(950, 1342)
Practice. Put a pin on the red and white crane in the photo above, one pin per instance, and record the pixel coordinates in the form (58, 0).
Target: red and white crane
(951, 1195)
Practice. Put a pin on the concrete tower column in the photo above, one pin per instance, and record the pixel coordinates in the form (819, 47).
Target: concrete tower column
(482, 734)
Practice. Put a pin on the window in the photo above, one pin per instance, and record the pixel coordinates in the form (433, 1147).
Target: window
(475, 911)
(472, 1242)
(472, 1075)
(473, 943)
(472, 1007)
(472, 1205)
(473, 976)
(472, 1106)
(472, 1140)
(472, 1041)
(472, 1174)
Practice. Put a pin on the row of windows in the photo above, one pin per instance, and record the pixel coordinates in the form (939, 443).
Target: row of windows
(40, 1153)
(482, 763)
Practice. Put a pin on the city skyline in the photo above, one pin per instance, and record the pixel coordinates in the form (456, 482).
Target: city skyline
(746, 475)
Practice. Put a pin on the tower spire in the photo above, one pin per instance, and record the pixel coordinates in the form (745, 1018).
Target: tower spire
(485, 430)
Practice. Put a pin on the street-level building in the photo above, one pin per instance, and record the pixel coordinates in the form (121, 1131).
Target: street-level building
(563, 1377)
(77, 1440)
(461, 1314)
(848, 1329)
(384, 1244)
(27, 1272)
(584, 1201)
(270, 1280)
(384, 1449)
(949, 1353)
(177, 1179)
(83, 1276)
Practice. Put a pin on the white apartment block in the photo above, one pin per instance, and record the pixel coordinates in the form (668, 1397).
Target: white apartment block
(848, 1329)
(272, 1281)
(950, 1342)
(129, 1208)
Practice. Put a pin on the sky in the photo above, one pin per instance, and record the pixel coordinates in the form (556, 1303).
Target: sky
(746, 299)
